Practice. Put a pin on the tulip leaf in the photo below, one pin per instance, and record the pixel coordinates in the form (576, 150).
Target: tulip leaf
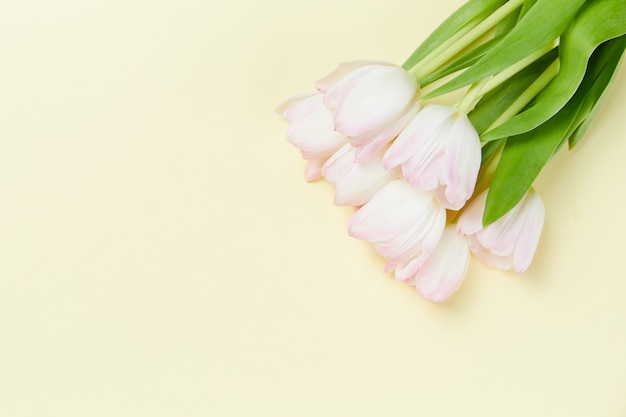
(526, 154)
(509, 22)
(542, 24)
(471, 57)
(462, 62)
(611, 53)
(490, 106)
(598, 21)
(526, 7)
(470, 14)
(489, 150)
(522, 159)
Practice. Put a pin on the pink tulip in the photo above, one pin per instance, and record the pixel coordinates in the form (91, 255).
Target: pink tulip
(311, 130)
(445, 269)
(509, 242)
(355, 182)
(371, 102)
(439, 151)
(403, 224)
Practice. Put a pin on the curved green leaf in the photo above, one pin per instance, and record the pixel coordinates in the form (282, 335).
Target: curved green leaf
(462, 62)
(525, 155)
(489, 150)
(522, 159)
(469, 15)
(490, 106)
(470, 57)
(611, 54)
(542, 24)
(598, 21)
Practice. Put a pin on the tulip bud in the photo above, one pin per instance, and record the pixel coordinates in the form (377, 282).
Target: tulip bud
(509, 242)
(355, 182)
(445, 269)
(438, 151)
(371, 103)
(403, 224)
(311, 130)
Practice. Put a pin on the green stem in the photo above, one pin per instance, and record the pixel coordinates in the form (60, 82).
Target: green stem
(457, 43)
(457, 37)
(487, 170)
(467, 102)
(535, 88)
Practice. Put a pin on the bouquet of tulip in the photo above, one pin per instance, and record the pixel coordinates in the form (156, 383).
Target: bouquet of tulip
(432, 182)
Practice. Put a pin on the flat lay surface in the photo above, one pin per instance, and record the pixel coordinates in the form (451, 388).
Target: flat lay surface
(162, 255)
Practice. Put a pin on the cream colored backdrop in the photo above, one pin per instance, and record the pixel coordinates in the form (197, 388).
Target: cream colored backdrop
(161, 255)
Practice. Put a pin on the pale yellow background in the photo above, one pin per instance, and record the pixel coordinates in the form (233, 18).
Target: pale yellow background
(161, 255)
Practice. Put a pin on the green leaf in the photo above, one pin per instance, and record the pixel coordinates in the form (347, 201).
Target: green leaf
(525, 155)
(545, 21)
(490, 149)
(462, 62)
(522, 159)
(491, 105)
(526, 7)
(598, 21)
(609, 57)
(469, 58)
(466, 17)
(508, 23)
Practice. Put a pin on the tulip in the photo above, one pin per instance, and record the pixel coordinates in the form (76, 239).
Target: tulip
(371, 102)
(445, 269)
(438, 151)
(311, 130)
(403, 224)
(355, 182)
(509, 242)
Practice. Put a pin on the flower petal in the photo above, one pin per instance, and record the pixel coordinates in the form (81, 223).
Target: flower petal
(343, 70)
(356, 183)
(370, 97)
(509, 242)
(471, 221)
(373, 142)
(531, 232)
(391, 211)
(461, 163)
(438, 151)
(445, 269)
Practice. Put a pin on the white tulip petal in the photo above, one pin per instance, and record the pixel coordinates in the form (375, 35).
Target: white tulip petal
(445, 269)
(373, 142)
(390, 212)
(356, 183)
(403, 224)
(370, 98)
(311, 127)
(438, 151)
(311, 130)
(531, 232)
(371, 102)
(344, 69)
(313, 169)
(509, 242)
(471, 221)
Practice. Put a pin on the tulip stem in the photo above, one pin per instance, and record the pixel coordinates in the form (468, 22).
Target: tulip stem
(487, 170)
(471, 96)
(461, 40)
(535, 88)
